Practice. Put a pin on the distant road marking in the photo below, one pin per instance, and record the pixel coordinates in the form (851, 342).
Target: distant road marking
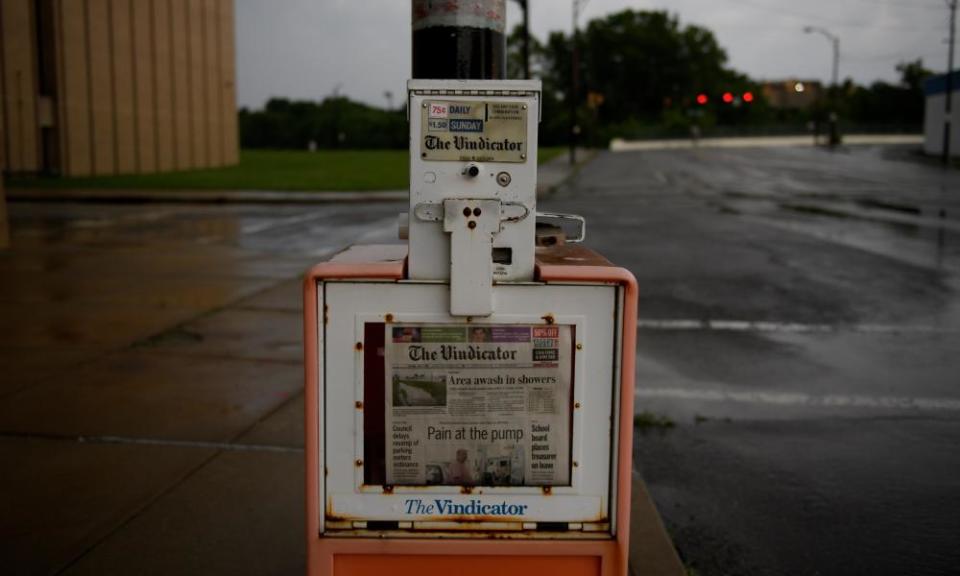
(682, 324)
(800, 399)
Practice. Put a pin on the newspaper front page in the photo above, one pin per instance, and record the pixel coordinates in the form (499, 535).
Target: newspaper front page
(478, 405)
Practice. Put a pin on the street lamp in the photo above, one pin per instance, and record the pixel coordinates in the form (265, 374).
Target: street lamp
(578, 6)
(525, 6)
(835, 43)
(948, 105)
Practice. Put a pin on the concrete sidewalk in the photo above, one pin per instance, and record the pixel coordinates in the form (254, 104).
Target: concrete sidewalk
(151, 405)
(550, 175)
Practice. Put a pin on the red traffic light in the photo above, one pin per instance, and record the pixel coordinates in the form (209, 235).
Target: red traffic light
(748, 97)
(702, 99)
(727, 97)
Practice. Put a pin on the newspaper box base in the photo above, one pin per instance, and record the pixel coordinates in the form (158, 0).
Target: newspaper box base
(419, 558)
(483, 553)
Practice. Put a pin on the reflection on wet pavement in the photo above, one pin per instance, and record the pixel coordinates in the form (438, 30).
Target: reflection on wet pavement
(100, 277)
(799, 322)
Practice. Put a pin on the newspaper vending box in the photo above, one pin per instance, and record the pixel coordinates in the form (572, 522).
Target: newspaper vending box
(469, 395)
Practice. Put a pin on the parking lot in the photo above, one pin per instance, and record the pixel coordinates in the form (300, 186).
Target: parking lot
(797, 365)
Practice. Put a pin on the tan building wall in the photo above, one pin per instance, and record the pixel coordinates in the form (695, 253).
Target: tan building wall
(793, 94)
(95, 87)
(4, 222)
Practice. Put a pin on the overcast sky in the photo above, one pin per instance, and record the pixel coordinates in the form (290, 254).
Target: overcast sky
(307, 49)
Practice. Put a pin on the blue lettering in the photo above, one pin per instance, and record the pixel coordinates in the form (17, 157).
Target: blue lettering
(458, 125)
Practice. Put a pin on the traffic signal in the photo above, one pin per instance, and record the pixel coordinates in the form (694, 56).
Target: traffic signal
(748, 97)
(727, 97)
(702, 99)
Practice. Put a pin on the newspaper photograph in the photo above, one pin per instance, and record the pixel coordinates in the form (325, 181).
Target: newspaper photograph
(478, 405)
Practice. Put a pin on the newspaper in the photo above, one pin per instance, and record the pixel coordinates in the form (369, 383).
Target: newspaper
(478, 405)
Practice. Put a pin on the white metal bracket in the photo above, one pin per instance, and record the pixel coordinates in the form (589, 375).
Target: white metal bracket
(472, 224)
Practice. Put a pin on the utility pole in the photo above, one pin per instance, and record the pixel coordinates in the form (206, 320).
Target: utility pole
(948, 106)
(578, 6)
(525, 6)
(835, 44)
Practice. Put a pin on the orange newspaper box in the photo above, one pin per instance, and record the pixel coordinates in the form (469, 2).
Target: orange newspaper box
(451, 499)
(469, 395)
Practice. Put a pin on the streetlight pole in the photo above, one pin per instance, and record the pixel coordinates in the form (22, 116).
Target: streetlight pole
(575, 79)
(948, 106)
(835, 44)
(525, 6)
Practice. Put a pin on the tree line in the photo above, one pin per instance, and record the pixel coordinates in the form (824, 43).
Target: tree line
(639, 75)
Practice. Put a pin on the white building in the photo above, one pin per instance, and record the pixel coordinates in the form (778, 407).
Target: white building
(935, 89)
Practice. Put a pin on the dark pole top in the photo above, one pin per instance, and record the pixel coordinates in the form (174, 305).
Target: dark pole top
(459, 39)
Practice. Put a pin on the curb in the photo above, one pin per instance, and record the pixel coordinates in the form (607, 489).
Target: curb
(200, 196)
(551, 176)
(651, 550)
(621, 145)
(557, 172)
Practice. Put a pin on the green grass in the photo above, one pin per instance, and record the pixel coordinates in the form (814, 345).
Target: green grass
(646, 422)
(263, 170)
(545, 155)
(269, 170)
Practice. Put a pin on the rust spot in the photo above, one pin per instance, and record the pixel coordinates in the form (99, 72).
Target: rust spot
(326, 313)
(388, 318)
(387, 489)
(576, 464)
(466, 489)
(576, 405)
(547, 490)
(329, 515)
(358, 463)
(548, 318)
(359, 405)
(359, 346)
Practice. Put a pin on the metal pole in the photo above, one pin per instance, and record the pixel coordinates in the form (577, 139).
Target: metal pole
(526, 39)
(453, 42)
(835, 44)
(834, 131)
(574, 85)
(948, 106)
(575, 81)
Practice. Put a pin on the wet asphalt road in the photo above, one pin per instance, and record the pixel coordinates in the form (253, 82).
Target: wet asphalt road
(800, 326)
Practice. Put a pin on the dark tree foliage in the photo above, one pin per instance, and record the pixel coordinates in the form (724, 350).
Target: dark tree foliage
(888, 104)
(336, 122)
(640, 73)
(640, 70)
